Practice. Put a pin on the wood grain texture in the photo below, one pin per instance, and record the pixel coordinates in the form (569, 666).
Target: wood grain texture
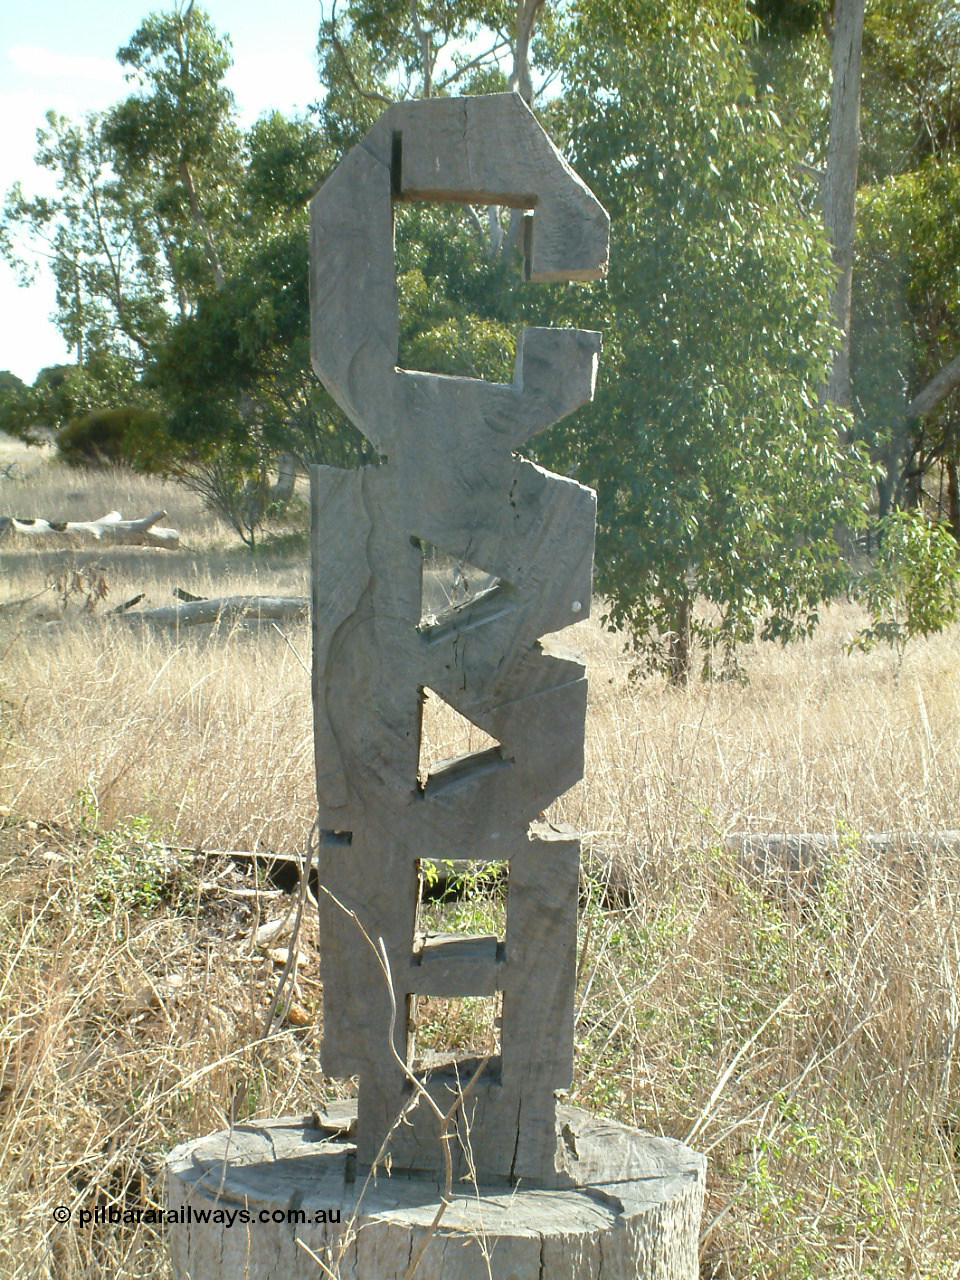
(448, 476)
(491, 150)
(629, 1210)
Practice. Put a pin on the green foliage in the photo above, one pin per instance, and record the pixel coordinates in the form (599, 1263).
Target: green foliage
(110, 437)
(373, 53)
(464, 897)
(15, 406)
(59, 393)
(235, 377)
(719, 475)
(906, 292)
(181, 111)
(177, 138)
(788, 19)
(180, 251)
(913, 586)
(100, 238)
(128, 870)
(911, 107)
(459, 306)
(179, 244)
(905, 319)
(10, 385)
(286, 160)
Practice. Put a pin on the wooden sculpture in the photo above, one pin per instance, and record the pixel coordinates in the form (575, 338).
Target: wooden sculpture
(448, 475)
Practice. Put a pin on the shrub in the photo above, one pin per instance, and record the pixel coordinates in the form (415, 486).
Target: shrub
(131, 436)
(912, 587)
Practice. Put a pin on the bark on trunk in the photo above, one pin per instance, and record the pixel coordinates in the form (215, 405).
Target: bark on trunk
(953, 498)
(521, 82)
(282, 491)
(886, 488)
(520, 79)
(399, 1227)
(936, 390)
(209, 244)
(679, 652)
(840, 180)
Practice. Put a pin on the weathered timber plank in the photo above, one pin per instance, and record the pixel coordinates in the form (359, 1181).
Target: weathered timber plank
(448, 475)
(446, 154)
(339, 528)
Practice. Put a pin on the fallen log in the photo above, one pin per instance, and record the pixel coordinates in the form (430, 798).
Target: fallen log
(128, 604)
(186, 613)
(111, 528)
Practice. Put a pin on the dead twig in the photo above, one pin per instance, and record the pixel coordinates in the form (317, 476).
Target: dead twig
(240, 1090)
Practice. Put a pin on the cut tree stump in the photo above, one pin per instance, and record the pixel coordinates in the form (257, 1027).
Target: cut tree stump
(111, 528)
(284, 1200)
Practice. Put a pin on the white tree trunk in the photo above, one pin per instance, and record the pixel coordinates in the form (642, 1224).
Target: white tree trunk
(520, 80)
(282, 491)
(936, 390)
(840, 181)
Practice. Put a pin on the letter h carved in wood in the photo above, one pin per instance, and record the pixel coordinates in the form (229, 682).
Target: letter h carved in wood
(448, 475)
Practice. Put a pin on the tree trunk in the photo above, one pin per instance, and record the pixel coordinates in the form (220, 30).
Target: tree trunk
(840, 180)
(912, 496)
(936, 390)
(953, 497)
(520, 80)
(282, 491)
(401, 1227)
(209, 244)
(886, 488)
(678, 661)
(225, 609)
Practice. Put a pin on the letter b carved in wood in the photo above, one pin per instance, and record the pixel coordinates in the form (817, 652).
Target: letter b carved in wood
(448, 475)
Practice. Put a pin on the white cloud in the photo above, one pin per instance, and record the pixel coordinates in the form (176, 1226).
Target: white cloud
(280, 79)
(24, 113)
(33, 60)
(28, 340)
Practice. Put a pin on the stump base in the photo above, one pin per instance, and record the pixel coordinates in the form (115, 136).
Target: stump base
(283, 1200)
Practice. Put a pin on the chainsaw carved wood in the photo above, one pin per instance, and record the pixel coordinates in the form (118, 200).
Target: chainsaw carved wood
(448, 476)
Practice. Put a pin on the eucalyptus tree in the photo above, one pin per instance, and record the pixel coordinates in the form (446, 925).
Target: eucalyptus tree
(719, 474)
(905, 349)
(173, 233)
(458, 266)
(177, 135)
(103, 243)
(721, 477)
(906, 335)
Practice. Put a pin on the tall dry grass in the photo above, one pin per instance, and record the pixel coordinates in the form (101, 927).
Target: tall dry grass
(808, 1043)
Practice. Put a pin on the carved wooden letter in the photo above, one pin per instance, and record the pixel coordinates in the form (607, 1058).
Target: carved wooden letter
(448, 475)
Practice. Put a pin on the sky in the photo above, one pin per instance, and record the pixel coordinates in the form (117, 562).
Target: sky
(61, 55)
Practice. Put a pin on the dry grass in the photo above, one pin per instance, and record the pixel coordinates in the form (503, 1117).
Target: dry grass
(810, 1045)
